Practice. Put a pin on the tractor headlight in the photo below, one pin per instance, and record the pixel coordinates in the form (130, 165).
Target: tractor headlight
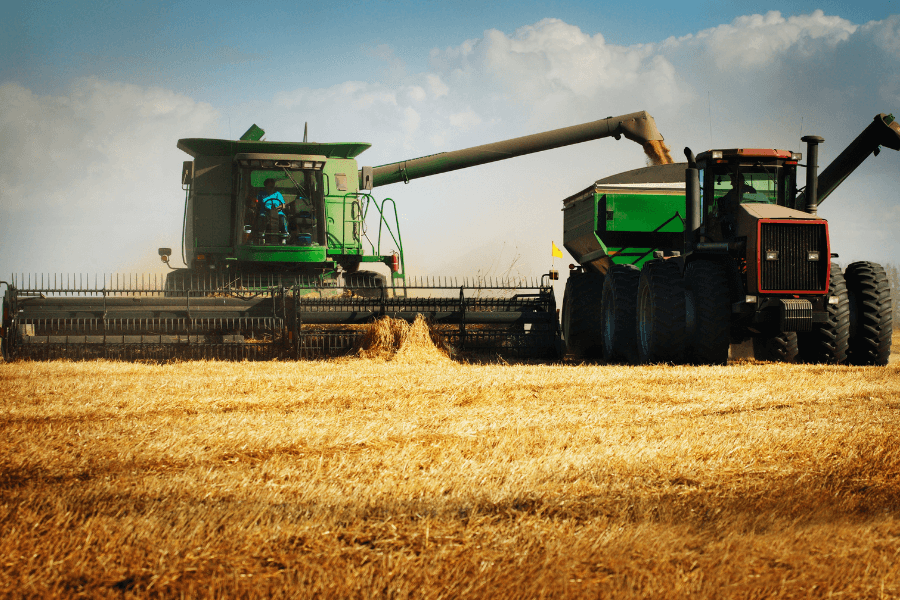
(771, 254)
(812, 256)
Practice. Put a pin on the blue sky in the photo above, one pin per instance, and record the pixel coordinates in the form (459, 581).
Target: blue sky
(93, 98)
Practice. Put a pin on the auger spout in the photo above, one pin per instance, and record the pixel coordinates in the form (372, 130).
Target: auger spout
(883, 131)
(638, 127)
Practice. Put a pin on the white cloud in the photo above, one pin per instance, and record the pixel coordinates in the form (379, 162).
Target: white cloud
(89, 178)
(465, 120)
(438, 88)
(885, 34)
(756, 40)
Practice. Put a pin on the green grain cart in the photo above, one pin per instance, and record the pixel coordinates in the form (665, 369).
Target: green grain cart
(677, 262)
(255, 286)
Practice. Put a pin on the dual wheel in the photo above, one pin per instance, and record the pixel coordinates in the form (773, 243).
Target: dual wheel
(857, 330)
(659, 314)
(684, 318)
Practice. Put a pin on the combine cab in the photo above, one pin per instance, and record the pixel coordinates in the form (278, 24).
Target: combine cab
(276, 240)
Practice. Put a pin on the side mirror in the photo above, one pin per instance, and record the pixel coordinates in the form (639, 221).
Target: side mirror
(366, 178)
(187, 173)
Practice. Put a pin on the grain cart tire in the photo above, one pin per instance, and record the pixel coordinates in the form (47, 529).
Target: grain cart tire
(828, 342)
(618, 309)
(707, 311)
(367, 284)
(581, 319)
(776, 347)
(661, 314)
(871, 315)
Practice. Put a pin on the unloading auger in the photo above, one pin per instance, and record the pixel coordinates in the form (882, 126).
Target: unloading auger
(264, 283)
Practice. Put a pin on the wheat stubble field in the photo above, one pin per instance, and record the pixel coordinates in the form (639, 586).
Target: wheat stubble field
(418, 477)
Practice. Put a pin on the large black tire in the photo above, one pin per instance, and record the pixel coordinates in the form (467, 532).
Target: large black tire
(871, 314)
(707, 312)
(619, 313)
(177, 280)
(581, 319)
(660, 314)
(780, 346)
(367, 284)
(828, 342)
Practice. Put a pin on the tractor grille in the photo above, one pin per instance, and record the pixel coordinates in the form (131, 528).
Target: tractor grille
(793, 271)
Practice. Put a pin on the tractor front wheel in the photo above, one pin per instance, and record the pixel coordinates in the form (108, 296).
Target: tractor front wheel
(871, 314)
(828, 342)
(780, 346)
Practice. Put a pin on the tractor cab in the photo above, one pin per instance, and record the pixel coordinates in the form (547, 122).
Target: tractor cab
(730, 178)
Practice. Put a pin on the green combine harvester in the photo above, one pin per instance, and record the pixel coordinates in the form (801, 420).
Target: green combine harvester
(264, 283)
(677, 262)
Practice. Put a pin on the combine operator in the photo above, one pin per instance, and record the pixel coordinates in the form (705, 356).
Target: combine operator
(269, 200)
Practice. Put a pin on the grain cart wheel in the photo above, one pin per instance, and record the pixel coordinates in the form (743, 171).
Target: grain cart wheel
(618, 311)
(581, 322)
(780, 346)
(707, 311)
(828, 342)
(660, 313)
(367, 284)
(871, 315)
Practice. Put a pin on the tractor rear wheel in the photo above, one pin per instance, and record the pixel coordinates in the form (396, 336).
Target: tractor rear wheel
(619, 310)
(581, 323)
(708, 311)
(776, 347)
(828, 342)
(661, 314)
(871, 314)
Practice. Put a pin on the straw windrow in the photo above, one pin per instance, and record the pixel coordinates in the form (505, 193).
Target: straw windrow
(395, 339)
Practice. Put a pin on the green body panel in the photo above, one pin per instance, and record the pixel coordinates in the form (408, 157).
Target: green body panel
(281, 254)
(605, 225)
(210, 206)
(641, 212)
(209, 147)
(341, 209)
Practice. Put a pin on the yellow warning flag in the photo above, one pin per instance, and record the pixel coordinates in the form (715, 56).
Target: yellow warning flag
(556, 251)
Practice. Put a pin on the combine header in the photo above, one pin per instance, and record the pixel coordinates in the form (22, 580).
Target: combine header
(266, 316)
(274, 237)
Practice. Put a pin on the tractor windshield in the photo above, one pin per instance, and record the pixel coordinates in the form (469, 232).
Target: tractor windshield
(282, 206)
(745, 184)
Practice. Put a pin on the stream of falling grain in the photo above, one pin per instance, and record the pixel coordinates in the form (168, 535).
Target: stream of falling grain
(658, 153)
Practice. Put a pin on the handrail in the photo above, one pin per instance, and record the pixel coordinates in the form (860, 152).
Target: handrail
(383, 223)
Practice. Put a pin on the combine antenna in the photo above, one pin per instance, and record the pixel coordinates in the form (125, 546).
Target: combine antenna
(305, 125)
